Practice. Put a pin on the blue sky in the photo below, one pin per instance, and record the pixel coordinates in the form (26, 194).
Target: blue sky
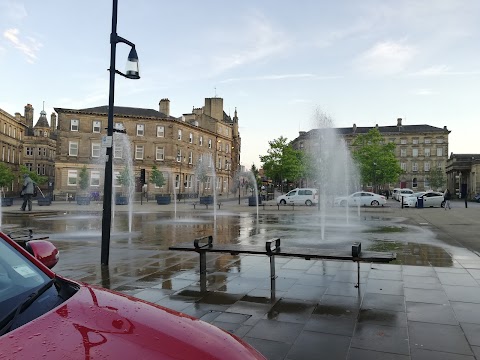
(366, 62)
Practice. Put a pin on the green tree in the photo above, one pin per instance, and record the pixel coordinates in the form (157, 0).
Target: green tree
(283, 162)
(256, 175)
(437, 178)
(37, 179)
(83, 178)
(156, 177)
(124, 178)
(376, 159)
(6, 177)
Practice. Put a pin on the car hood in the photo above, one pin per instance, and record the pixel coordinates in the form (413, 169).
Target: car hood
(97, 323)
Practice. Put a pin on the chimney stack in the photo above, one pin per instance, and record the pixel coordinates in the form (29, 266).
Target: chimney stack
(53, 122)
(399, 122)
(165, 106)
(354, 128)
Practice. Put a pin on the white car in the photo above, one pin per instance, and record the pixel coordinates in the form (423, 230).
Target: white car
(299, 197)
(430, 199)
(361, 198)
(402, 192)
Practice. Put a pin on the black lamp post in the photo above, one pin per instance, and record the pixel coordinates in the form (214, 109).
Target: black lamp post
(130, 73)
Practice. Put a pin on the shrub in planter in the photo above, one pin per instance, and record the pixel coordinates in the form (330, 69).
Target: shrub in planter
(157, 178)
(121, 200)
(7, 201)
(6, 178)
(83, 198)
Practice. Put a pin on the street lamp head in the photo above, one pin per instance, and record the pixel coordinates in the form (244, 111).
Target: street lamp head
(132, 71)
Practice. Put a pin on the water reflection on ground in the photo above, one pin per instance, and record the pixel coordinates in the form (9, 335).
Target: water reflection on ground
(415, 245)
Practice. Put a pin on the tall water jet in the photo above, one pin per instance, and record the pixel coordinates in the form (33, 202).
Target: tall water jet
(333, 165)
(122, 140)
(207, 178)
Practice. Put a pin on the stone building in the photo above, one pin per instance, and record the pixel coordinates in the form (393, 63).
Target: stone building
(155, 138)
(419, 148)
(12, 133)
(462, 170)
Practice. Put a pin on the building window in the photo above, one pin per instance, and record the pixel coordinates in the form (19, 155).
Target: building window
(44, 151)
(72, 178)
(190, 138)
(160, 131)
(426, 166)
(415, 141)
(177, 180)
(414, 183)
(200, 141)
(139, 152)
(39, 151)
(426, 183)
(179, 155)
(29, 151)
(439, 165)
(415, 152)
(403, 152)
(45, 134)
(140, 130)
(97, 125)
(439, 141)
(415, 167)
(29, 166)
(209, 143)
(190, 157)
(226, 148)
(73, 148)
(427, 152)
(118, 126)
(117, 151)
(94, 178)
(179, 134)
(96, 150)
(160, 153)
(403, 166)
(439, 151)
(427, 141)
(403, 141)
(74, 125)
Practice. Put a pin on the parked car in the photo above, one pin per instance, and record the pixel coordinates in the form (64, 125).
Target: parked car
(44, 314)
(361, 198)
(476, 198)
(304, 196)
(403, 192)
(430, 199)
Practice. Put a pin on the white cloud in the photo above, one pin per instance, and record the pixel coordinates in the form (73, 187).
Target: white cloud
(386, 58)
(280, 77)
(258, 41)
(29, 46)
(442, 70)
(13, 10)
(423, 92)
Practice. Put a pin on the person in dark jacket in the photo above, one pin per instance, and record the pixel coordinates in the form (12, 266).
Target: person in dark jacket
(447, 196)
(27, 192)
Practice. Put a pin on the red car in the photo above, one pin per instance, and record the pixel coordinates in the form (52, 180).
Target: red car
(46, 316)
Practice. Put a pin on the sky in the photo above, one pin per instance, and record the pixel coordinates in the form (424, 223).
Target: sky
(277, 62)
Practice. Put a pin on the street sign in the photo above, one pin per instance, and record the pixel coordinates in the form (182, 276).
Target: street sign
(107, 141)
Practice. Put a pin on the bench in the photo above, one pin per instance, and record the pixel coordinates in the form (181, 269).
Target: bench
(272, 248)
(206, 205)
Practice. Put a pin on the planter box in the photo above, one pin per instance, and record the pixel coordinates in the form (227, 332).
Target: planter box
(83, 200)
(252, 200)
(46, 201)
(121, 200)
(163, 199)
(7, 201)
(206, 200)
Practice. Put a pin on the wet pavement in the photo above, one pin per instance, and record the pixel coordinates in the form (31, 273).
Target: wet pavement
(425, 305)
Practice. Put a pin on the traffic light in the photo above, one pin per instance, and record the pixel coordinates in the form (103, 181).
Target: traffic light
(142, 176)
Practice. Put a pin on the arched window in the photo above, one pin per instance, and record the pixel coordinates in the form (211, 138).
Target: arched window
(414, 183)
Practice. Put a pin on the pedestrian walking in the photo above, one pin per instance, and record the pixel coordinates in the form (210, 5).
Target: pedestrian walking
(447, 196)
(27, 192)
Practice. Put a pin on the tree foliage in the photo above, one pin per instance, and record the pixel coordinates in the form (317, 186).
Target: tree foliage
(6, 175)
(156, 177)
(37, 179)
(376, 158)
(83, 176)
(283, 162)
(437, 178)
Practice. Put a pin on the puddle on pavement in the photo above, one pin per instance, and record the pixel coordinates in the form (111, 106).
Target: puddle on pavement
(414, 245)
